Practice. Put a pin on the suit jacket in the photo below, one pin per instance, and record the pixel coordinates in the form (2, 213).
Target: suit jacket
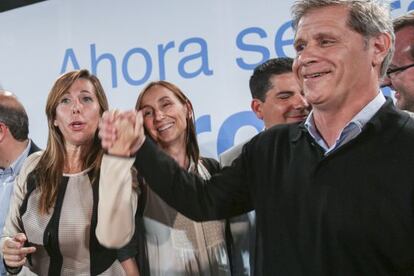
(33, 148)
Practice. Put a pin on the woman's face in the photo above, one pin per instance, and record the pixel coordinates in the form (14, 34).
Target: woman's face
(78, 113)
(164, 116)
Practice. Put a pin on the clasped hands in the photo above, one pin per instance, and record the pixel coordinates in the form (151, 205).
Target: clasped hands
(122, 133)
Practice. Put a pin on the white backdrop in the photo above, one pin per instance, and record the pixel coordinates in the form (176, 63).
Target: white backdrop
(207, 48)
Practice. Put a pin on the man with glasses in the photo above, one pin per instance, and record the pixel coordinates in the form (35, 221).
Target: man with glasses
(400, 74)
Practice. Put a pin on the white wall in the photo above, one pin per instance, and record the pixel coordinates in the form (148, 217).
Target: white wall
(208, 48)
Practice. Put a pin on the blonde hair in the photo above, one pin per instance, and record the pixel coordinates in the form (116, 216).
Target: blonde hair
(48, 172)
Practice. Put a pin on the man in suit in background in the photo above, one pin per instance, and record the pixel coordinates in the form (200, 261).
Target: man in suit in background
(15, 146)
(276, 99)
(400, 73)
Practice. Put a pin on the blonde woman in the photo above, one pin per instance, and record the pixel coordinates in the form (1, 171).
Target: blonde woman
(51, 225)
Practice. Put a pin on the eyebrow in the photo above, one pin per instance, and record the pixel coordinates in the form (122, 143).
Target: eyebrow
(159, 100)
(86, 91)
(297, 41)
(145, 106)
(284, 92)
(82, 91)
(319, 35)
(325, 34)
(163, 98)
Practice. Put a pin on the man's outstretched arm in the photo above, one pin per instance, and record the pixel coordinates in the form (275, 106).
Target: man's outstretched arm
(226, 194)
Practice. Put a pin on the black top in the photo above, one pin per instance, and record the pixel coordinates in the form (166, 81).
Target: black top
(348, 213)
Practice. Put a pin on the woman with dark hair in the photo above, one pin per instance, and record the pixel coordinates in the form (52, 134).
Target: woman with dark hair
(51, 224)
(173, 244)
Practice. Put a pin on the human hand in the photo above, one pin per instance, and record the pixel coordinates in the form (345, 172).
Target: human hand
(107, 130)
(128, 128)
(139, 130)
(122, 133)
(14, 252)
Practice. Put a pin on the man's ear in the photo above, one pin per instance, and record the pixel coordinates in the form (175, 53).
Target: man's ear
(3, 131)
(381, 44)
(256, 106)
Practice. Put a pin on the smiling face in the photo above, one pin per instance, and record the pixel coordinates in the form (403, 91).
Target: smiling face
(403, 81)
(334, 64)
(284, 102)
(165, 116)
(78, 113)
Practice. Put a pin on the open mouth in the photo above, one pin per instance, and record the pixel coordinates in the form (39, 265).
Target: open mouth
(77, 125)
(165, 127)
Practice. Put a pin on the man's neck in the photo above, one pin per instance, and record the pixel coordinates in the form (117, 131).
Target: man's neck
(10, 151)
(331, 122)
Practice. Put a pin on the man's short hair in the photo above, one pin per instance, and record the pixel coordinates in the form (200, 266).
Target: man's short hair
(15, 118)
(260, 80)
(367, 17)
(403, 21)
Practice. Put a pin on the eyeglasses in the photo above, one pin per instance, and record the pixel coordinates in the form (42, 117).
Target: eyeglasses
(393, 71)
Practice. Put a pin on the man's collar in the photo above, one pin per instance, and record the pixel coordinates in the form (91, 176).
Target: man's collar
(360, 119)
(17, 164)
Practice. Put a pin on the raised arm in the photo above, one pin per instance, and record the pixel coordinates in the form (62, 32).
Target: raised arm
(118, 188)
(117, 201)
(224, 195)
